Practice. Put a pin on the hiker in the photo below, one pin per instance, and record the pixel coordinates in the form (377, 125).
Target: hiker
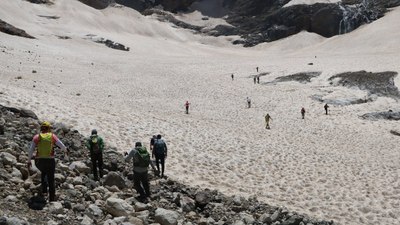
(160, 153)
(141, 162)
(326, 106)
(258, 79)
(95, 144)
(153, 167)
(232, 76)
(152, 140)
(257, 69)
(255, 79)
(187, 107)
(267, 119)
(303, 112)
(44, 157)
(248, 102)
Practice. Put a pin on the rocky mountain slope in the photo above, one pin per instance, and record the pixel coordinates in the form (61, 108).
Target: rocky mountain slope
(81, 200)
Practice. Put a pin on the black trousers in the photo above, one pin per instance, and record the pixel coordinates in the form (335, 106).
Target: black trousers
(47, 167)
(160, 159)
(97, 163)
(141, 182)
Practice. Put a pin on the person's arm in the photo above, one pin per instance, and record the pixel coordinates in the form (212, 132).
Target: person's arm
(129, 156)
(101, 144)
(165, 149)
(88, 144)
(61, 145)
(30, 152)
(35, 141)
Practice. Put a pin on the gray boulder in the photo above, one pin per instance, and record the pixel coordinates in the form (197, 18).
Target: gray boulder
(7, 158)
(114, 178)
(166, 217)
(202, 198)
(187, 204)
(80, 166)
(118, 207)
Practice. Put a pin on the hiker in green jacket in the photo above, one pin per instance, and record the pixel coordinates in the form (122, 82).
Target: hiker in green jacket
(141, 162)
(95, 144)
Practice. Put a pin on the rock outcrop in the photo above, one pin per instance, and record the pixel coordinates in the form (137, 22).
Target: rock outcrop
(97, 4)
(10, 29)
(380, 84)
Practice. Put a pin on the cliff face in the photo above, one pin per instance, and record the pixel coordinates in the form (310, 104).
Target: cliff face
(258, 21)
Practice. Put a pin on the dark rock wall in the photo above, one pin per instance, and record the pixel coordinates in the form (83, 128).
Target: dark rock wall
(258, 21)
(97, 4)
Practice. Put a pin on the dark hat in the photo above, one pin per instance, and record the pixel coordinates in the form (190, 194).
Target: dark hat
(94, 131)
(138, 144)
(159, 136)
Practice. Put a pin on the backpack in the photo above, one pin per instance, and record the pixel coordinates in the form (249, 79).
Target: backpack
(159, 147)
(95, 144)
(45, 145)
(142, 157)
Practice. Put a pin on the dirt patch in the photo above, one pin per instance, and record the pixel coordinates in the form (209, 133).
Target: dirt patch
(304, 77)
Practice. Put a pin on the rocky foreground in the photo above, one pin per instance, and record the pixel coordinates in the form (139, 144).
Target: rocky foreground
(112, 201)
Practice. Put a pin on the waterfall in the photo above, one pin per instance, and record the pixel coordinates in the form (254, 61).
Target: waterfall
(355, 15)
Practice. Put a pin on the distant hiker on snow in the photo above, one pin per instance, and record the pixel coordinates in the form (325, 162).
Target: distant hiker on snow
(258, 79)
(248, 102)
(44, 158)
(160, 153)
(326, 107)
(95, 144)
(255, 79)
(187, 107)
(303, 112)
(232, 76)
(257, 69)
(141, 162)
(267, 119)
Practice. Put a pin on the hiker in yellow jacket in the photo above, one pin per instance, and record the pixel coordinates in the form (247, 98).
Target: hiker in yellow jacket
(43, 143)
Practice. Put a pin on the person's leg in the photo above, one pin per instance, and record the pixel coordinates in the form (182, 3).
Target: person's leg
(40, 164)
(145, 183)
(158, 163)
(50, 179)
(136, 181)
(94, 166)
(162, 159)
(100, 164)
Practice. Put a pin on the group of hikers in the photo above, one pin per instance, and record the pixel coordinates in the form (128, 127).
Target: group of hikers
(302, 111)
(42, 151)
